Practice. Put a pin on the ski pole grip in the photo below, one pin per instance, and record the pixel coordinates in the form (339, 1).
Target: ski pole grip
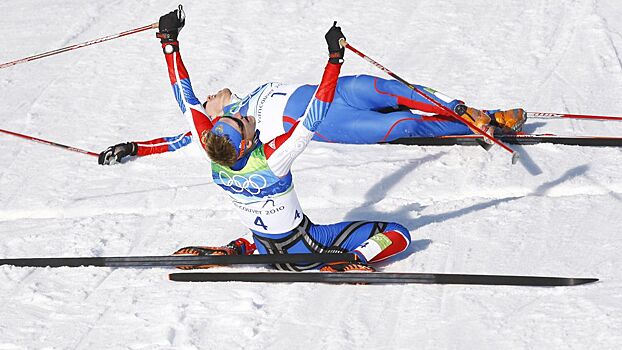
(155, 25)
(343, 42)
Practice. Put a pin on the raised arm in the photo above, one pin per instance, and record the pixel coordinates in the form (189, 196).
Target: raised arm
(169, 27)
(282, 151)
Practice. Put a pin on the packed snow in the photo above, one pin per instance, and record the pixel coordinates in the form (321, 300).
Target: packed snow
(555, 213)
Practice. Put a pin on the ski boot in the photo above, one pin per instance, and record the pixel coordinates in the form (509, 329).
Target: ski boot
(344, 266)
(237, 247)
(479, 118)
(511, 120)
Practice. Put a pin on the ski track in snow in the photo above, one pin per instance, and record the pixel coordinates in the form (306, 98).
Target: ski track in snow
(555, 213)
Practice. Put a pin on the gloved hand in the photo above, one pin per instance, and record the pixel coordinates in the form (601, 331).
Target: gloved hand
(114, 154)
(237, 247)
(170, 25)
(335, 51)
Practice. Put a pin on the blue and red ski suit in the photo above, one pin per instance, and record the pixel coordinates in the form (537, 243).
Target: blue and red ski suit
(262, 189)
(366, 110)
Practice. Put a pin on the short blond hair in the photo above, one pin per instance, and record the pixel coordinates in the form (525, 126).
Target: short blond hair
(219, 149)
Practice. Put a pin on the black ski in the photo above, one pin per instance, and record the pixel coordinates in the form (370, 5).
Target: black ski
(521, 139)
(178, 260)
(377, 278)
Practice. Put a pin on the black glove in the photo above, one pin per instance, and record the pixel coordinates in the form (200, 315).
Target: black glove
(170, 25)
(335, 50)
(114, 154)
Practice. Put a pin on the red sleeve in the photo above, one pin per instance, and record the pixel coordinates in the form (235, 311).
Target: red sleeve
(163, 144)
(189, 104)
(273, 145)
(326, 90)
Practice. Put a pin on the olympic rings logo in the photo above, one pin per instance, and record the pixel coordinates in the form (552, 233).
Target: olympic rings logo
(238, 183)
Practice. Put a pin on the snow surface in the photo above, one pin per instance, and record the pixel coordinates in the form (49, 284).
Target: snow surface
(556, 213)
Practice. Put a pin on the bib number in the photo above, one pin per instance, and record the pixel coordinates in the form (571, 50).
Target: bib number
(260, 222)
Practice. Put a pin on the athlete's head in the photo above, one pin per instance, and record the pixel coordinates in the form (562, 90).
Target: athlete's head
(230, 139)
(214, 104)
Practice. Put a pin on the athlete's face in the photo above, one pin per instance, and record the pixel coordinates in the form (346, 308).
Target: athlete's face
(245, 125)
(215, 103)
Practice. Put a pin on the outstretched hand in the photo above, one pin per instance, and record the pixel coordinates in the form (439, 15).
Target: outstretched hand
(333, 38)
(171, 24)
(114, 154)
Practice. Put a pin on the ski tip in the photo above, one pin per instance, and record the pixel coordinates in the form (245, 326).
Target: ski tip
(579, 281)
(515, 157)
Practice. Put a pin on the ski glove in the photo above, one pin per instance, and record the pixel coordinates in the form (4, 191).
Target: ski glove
(170, 25)
(114, 154)
(335, 50)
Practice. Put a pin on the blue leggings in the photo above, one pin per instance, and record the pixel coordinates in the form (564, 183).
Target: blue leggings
(311, 238)
(364, 111)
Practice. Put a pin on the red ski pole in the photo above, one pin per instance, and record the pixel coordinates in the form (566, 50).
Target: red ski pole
(515, 155)
(50, 143)
(77, 46)
(547, 115)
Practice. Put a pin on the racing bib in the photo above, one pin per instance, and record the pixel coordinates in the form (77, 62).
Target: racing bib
(267, 106)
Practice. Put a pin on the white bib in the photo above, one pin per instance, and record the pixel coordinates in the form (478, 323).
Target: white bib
(268, 106)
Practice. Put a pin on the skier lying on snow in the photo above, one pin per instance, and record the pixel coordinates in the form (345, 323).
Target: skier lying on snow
(365, 110)
(257, 175)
